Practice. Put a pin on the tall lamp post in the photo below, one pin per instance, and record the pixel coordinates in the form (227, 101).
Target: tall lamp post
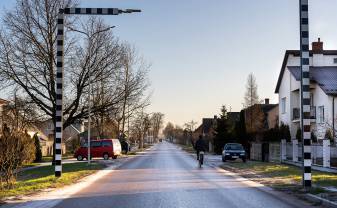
(60, 67)
(90, 37)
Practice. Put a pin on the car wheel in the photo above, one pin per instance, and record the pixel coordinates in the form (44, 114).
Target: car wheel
(79, 157)
(106, 156)
(223, 159)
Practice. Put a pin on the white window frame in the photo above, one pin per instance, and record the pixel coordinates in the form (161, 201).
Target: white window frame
(284, 105)
(320, 116)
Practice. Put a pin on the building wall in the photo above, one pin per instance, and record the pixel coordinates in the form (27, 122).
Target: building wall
(273, 117)
(289, 89)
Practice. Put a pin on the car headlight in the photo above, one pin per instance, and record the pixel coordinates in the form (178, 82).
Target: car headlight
(227, 154)
(242, 154)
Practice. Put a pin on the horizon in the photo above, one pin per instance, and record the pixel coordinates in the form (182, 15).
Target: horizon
(236, 37)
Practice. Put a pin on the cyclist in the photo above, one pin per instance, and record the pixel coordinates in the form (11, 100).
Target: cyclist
(200, 145)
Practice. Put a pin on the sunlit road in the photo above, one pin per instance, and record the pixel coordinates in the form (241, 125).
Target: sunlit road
(169, 177)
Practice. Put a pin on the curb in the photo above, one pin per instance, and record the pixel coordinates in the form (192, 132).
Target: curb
(322, 201)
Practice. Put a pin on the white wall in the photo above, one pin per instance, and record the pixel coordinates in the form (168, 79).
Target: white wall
(289, 88)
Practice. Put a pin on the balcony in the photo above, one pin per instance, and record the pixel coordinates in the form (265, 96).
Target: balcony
(297, 113)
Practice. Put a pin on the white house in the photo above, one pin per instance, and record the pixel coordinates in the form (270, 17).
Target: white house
(323, 88)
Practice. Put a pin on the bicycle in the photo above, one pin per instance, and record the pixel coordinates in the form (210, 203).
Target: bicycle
(201, 158)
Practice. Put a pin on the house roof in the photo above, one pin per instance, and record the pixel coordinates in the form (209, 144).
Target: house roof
(207, 124)
(265, 107)
(295, 53)
(325, 77)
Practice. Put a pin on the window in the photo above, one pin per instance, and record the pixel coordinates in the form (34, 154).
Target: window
(106, 144)
(335, 60)
(95, 144)
(283, 105)
(320, 114)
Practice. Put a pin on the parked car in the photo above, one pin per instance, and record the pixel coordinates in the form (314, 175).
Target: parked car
(233, 151)
(105, 148)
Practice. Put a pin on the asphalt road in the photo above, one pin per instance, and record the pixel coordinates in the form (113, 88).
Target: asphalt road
(166, 177)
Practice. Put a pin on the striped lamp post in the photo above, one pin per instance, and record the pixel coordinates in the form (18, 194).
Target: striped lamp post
(305, 93)
(60, 66)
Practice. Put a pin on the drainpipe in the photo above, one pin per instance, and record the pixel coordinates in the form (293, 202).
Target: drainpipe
(333, 118)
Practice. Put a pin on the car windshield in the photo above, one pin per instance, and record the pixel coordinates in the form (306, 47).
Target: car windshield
(234, 147)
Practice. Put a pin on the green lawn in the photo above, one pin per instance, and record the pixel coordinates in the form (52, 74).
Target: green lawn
(279, 175)
(30, 181)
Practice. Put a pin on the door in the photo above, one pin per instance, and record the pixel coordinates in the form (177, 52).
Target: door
(96, 148)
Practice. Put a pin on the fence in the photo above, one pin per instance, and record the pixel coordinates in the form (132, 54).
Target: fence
(322, 153)
(270, 152)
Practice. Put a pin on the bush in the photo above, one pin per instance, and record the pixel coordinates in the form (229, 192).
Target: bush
(17, 148)
(285, 132)
(328, 135)
(38, 152)
(272, 135)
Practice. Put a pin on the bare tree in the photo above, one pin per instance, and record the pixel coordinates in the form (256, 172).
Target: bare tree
(157, 120)
(141, 126)
(251, 96)
(169, 131)
(17, 147)
(250, 99)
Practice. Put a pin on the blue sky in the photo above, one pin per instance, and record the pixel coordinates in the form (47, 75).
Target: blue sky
(202, 51)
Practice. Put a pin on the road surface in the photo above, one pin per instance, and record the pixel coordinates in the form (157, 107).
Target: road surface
(166, 177)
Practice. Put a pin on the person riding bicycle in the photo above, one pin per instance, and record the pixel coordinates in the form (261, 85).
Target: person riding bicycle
(200, 146)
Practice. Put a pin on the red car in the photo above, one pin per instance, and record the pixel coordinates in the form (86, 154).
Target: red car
(100, 148)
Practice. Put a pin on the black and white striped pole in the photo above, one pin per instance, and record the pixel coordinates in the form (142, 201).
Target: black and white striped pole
(305, 93)
(60, 66)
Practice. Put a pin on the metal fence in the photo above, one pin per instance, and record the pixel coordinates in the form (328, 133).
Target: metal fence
(289, 151)
(317, 154)
(333, 155)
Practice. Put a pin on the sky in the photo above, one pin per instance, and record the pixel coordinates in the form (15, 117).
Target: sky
(201, 51)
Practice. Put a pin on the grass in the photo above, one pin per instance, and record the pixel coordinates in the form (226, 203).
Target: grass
(47, 159)
(31, 181)
(280, 175)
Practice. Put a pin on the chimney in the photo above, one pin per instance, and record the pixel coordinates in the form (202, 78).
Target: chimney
(266, 101)
(317, 47)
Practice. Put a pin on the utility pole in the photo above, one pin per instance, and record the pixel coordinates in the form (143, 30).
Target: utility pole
(305, 93)
(60, 70)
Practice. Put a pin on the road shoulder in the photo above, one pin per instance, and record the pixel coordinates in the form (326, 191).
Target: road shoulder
(50, 197)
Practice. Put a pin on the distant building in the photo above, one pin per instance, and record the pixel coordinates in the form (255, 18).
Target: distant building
(323, 90)
(208, 125)
(260, 118)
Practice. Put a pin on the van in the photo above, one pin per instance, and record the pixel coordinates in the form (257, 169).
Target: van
(105, 148)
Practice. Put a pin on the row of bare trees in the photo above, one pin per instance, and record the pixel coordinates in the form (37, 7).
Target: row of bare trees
(181, 135)
(146, 125)
(117, 73)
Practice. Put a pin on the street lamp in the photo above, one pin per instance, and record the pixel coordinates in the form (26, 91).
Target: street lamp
(90, 37)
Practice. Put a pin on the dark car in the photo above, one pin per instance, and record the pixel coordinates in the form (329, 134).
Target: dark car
(233, 151)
